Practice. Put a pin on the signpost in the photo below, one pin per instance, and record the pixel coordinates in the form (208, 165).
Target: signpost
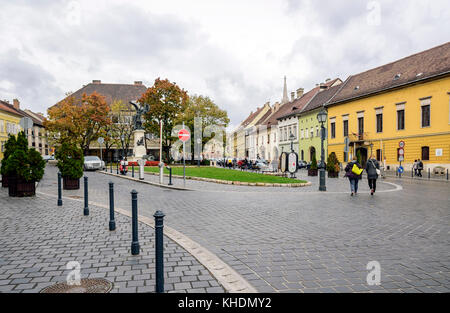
(401, 156)
(184, 136)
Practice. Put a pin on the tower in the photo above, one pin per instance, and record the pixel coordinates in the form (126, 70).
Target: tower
(285, 95)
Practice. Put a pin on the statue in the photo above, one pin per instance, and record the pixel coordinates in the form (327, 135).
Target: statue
(137, 119)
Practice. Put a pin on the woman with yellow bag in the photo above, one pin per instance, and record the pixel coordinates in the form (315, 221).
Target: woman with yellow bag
(353, 171)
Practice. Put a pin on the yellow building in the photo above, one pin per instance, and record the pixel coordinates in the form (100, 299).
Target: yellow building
(406, 101)
(9, 123)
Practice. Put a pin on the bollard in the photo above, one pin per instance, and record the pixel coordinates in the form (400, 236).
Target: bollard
(429, 173)
(170, 175)
(86, 205)
(412, 172)
(59, 190)
(159, 251)
(112, 221)
(117, 168)
(447, 174)
(134, 223)
(110, 167)
(132, 170)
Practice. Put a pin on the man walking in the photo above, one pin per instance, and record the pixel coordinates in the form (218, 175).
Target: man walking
(419, 167)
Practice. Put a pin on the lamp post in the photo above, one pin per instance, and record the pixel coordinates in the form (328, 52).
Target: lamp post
(291, 138)
(322, 117)
(122, 139)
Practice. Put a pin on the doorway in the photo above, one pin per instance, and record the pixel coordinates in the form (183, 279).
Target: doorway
(363, 152)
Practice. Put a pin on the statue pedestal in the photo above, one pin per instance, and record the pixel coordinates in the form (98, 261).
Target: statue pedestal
(139, 144)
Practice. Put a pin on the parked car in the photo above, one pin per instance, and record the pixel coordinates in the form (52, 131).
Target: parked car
(48, 158)
(302, 164)
(93, 163)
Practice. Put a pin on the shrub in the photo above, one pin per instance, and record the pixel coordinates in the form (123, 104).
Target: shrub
(70, 161)
(333, 163)
(10, 146)
(313, 163)
(24, 163)
(358, 156)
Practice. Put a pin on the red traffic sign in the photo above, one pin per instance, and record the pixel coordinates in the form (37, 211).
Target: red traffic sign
(401, 144)
(401, 151)
(184, 135)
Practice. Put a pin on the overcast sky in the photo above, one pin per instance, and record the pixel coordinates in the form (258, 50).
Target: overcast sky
(236, 52)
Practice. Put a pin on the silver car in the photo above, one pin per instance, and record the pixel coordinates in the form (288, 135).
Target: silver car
(93, 163)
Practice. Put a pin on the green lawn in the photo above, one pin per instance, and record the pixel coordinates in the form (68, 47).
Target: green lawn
(227, 174)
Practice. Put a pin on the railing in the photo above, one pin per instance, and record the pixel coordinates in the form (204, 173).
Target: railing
(358, 137)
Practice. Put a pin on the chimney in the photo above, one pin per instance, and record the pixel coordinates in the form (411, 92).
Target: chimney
(322, 87)
(16, 104)
(300, 92)
(95, 81)
(327, 80)
(292, 96)
(277, 105)
(138, 82)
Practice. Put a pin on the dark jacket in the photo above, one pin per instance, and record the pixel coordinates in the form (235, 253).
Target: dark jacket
(371, 168)
(348, 170)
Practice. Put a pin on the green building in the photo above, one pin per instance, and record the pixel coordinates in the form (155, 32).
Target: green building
(309, 126)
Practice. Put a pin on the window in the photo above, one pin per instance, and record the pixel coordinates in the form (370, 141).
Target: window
(425, 153)
(360, 125)
(301, 133)
(345, 126)
(401, 119)
(379, 123)
(317, 131)
(312, 132)
(426, 115)
(306, 133)
(378, 154)
(333, 130)
(2, 126)
(295, 131)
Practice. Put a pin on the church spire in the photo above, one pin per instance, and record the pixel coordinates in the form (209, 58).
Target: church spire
(285, 95)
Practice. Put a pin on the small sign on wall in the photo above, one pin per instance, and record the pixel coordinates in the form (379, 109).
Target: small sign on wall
(438, 152)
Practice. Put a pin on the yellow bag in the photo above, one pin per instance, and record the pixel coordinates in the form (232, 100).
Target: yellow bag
(356, 170)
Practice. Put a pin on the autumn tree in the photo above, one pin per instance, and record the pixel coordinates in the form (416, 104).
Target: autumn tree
(78, 121)
(211, 119)
(166, 100)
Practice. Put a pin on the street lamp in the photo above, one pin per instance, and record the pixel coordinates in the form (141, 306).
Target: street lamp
(122, 139)
(322, 118)
(291, 138)
(198, 145)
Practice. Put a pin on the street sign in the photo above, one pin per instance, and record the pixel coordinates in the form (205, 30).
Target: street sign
(400, 169)
(26, 123)
(101, 140)
(401, 151)
(401, 144)
(346, 144)
(184, 135)
(401, 158)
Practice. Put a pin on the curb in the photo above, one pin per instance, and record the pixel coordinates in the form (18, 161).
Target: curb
(230, 280)
(228, 182)
(146, 182)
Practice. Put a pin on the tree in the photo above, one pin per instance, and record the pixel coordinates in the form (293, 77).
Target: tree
(210, 114)
(333, 163)
(79, 121)
(166, 101)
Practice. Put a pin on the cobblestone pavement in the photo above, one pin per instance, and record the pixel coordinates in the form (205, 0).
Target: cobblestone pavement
(299, 241)
(38, 239)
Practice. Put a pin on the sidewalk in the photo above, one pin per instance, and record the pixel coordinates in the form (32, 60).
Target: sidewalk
(38, 239)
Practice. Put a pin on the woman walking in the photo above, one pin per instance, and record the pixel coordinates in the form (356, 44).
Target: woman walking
(353, 171)
(372, 169)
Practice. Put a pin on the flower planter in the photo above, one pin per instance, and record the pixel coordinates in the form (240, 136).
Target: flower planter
(333, 174)
(20, 188)
(5, 181)
(71, 183)
(312, 172)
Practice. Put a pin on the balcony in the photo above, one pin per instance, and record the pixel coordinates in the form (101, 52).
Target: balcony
(358, 137)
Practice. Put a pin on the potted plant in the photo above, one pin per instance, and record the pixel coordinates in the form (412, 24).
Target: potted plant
(333, 166)
(312, 171)
(24, 167)
(10, 146)
(70, 164)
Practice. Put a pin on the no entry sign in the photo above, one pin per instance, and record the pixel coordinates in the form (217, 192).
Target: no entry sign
(184, 135)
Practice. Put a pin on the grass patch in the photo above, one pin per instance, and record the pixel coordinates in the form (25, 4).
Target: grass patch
(227, 174)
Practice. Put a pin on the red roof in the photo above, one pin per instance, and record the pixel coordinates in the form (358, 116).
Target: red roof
(5, 106)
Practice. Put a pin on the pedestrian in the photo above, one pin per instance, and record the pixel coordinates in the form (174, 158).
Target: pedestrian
(419, 168)
(373, 170)
(415, 167)
(353, 171)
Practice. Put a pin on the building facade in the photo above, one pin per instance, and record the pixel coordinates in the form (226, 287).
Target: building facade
(406, 102)
(9, 124)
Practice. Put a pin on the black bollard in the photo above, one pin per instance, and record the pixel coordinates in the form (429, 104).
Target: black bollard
(429, 173)
(447, 174)
(170, 175)
(117, 168)
(134, 223)
(159, 251)
(59, 190)
(86, 200)
(412, 173)
(112, 221)
(132, 170)
(110, 167)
